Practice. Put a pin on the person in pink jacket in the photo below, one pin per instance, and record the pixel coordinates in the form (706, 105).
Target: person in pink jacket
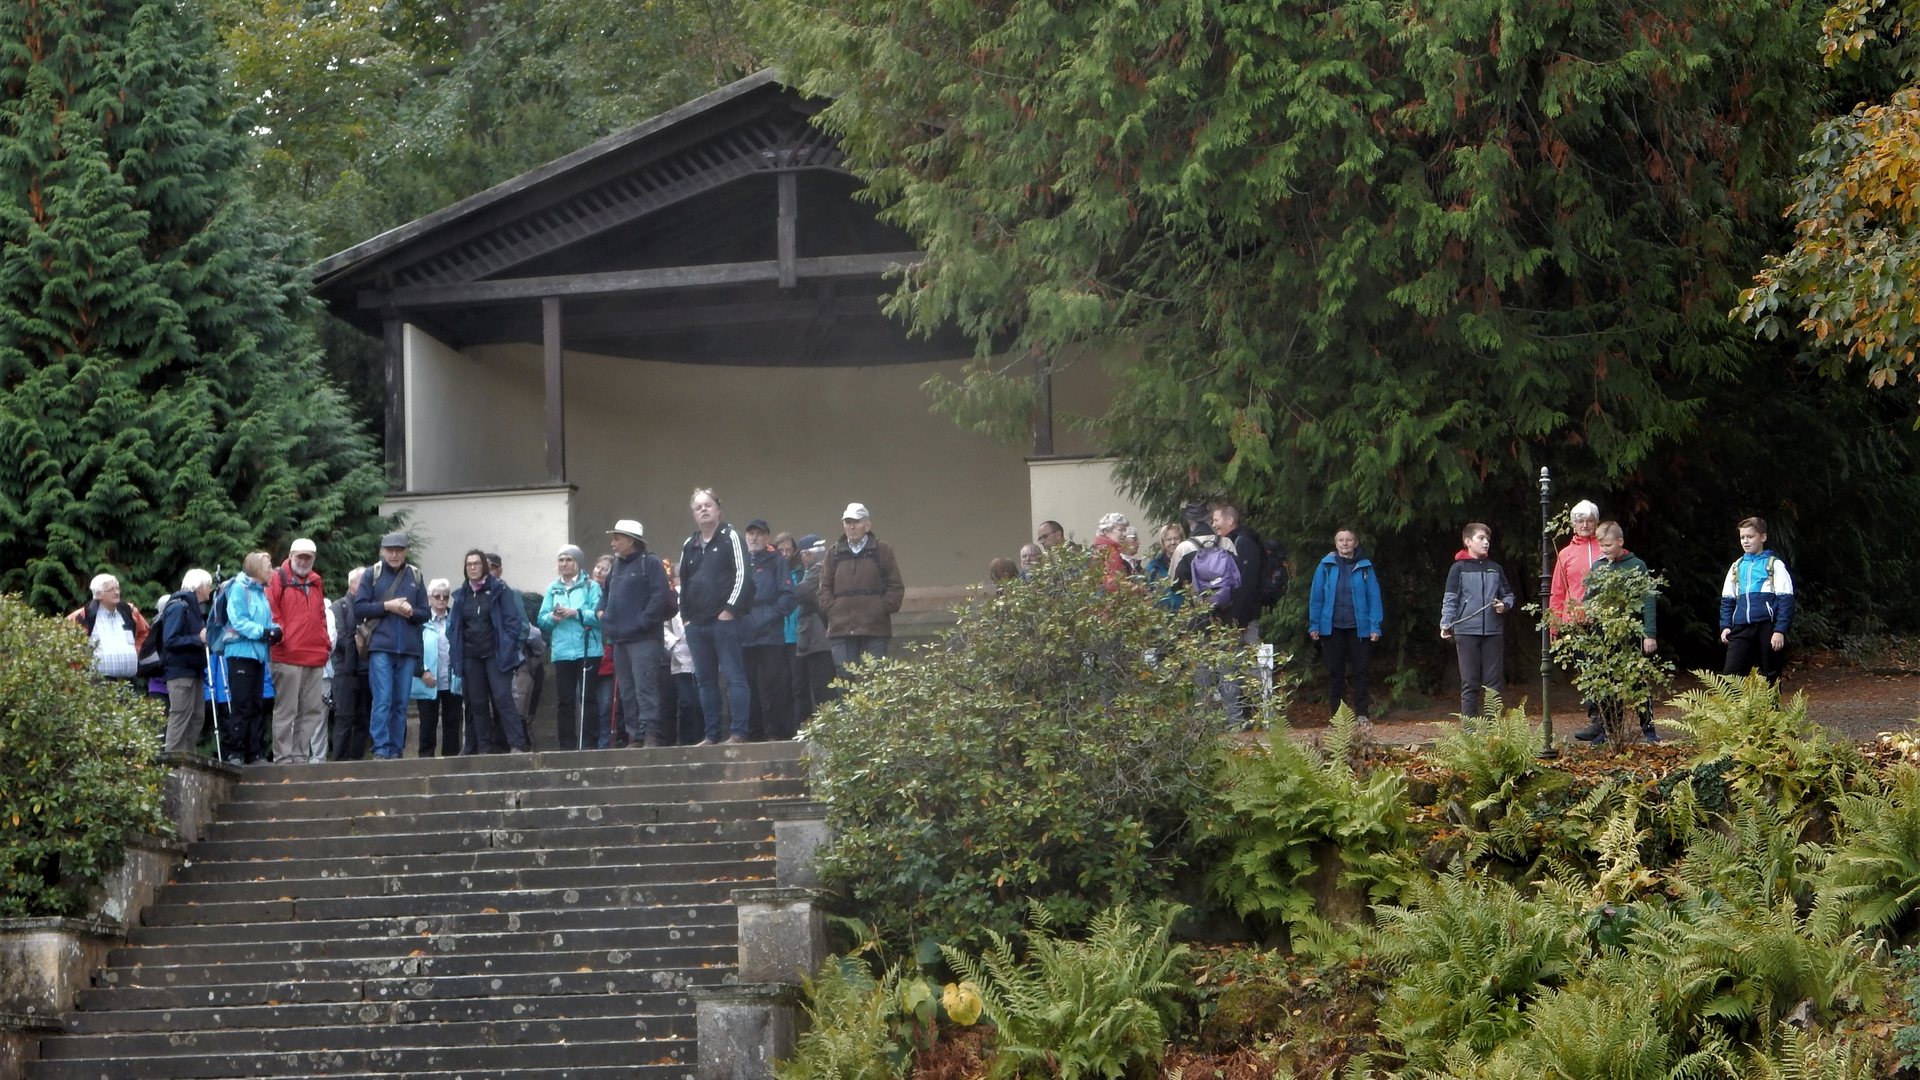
(1576, 559)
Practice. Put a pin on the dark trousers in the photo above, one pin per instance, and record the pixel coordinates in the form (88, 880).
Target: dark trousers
(244, 732)
(1750, 648)
(352, 717)
(490, 708)
(1348, 656)
(692, 724)
(442, 717)
(770, 668)
(602, 735)
(812, 679)
(576, 699)
(717, 658)
(1483, 665)
(636, 671)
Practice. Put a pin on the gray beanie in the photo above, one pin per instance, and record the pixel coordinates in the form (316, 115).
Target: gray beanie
(579, 557)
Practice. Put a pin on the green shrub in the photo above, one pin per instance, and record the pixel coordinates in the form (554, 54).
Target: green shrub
(77, 767)
(1601, 644)
(1281, 805)
(1050, 747)
(1102, 1007)
(1874, 871)
(1778, 753)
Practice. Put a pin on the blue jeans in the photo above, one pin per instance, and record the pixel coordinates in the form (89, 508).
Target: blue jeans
(716, 655)
(391, 676)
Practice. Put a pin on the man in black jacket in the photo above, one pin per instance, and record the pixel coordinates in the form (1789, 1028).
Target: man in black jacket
(633, 610)
(716, 591)
(769, 656)
(1242, 609)
(352, 696)
(183, 656)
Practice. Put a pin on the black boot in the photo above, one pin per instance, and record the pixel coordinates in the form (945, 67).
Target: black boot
(1595, 731)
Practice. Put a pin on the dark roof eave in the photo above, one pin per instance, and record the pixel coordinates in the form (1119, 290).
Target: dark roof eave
(343, 262)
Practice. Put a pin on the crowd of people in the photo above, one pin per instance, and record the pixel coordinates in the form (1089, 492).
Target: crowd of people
(1345, 608)
(735, 637)
(741, 634)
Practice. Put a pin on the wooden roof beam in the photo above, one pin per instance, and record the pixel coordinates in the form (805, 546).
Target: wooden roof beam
(620, 282)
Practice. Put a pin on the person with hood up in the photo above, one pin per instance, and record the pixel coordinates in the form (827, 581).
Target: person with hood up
(1756, 606)
(769, 657)
(1616, 559)
(1344, 615)
(570, 615)
(300, 659)
(1473, 615)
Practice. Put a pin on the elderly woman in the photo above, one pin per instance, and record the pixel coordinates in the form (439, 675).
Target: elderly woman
(570, 615)
(183, 652)
(436, 687)
(1109, 548)
(116, 629)
(251, 633)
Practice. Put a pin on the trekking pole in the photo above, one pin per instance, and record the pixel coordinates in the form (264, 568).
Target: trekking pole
(580, 710)
(213, 700)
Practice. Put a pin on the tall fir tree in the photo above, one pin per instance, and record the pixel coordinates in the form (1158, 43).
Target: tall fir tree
(162, 402)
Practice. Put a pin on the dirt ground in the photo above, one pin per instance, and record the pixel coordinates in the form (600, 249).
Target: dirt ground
(1852, 700)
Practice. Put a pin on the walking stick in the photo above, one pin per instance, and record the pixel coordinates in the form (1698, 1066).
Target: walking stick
(580, 710)
(213, 699)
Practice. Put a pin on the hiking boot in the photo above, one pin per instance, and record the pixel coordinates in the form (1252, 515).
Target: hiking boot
(1595, 732)
(1647, 734)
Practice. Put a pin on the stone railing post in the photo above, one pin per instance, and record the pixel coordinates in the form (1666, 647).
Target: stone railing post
(195, 787)
(744, 1029)
(799, 830)
(44, 964)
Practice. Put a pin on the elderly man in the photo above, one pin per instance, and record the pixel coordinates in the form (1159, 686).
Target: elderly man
(860, 590)
(183, 650)
(633, 617)
(764, 637)
(300, 659)
(395, 596)
(117, 630)
(1030, 557)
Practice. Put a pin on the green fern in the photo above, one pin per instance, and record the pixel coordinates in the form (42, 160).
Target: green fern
(851, 1036)
(1470, 953)
(1778, 753)
(1494, 752)
(1874, 872)
(1798, 1055)
(1283, 807)
(1101, 1007)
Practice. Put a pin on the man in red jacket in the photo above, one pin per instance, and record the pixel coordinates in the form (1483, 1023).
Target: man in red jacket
(300, 656)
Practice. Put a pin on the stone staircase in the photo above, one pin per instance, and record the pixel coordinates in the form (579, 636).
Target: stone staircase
(540, 917)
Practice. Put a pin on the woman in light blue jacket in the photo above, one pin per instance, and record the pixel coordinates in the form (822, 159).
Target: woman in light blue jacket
(570, 614)
(251, 634)
(436, 687)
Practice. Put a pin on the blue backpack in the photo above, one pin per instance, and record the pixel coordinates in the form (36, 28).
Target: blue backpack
(1216, 574)
(217, 620)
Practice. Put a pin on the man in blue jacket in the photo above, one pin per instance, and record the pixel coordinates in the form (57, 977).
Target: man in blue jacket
(395, 595)
(1343, 615)
(487, 640)
(769, 657)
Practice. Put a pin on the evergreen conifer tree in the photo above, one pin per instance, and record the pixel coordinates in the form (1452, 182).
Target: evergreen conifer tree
(162, 403)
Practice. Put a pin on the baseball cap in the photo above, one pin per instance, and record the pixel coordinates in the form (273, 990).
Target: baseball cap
(856, 512)
(759, 523)
(811, 540)
(303, 546)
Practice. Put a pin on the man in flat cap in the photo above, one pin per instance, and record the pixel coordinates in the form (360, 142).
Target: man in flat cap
(395, 595)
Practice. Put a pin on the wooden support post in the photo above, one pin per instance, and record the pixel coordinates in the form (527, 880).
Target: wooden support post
(395, 336)
(789, 234)
(556, 403)
(1043, 414)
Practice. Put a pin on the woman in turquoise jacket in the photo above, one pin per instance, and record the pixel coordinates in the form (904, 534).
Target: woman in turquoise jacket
(441, 705)
(251, 633)
(570, 614)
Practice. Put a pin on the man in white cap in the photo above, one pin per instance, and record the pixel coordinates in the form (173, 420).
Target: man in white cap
(860, 589)
(633, 613)
(299, 660)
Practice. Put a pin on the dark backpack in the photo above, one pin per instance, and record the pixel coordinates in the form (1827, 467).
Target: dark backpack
(152, 659)
(1216, 574)
(217, 620)
(1274, 575)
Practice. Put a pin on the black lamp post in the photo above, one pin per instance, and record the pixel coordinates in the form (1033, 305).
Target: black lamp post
(1546, 608)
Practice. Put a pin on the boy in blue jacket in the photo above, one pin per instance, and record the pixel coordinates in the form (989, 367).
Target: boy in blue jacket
(1756, 606)
(1343, 615)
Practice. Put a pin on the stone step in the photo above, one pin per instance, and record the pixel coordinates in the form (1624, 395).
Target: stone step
(426, 965)
(675, 894)
(388, 990)
(387, 845)
(488, 860)
(477, 881)
(597, 777)
(375, 821)
(421, 927)
(511, 799)
(543, 761)
(360, 1062)
(168, 1046)
(337, 1014)
(325, 948)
